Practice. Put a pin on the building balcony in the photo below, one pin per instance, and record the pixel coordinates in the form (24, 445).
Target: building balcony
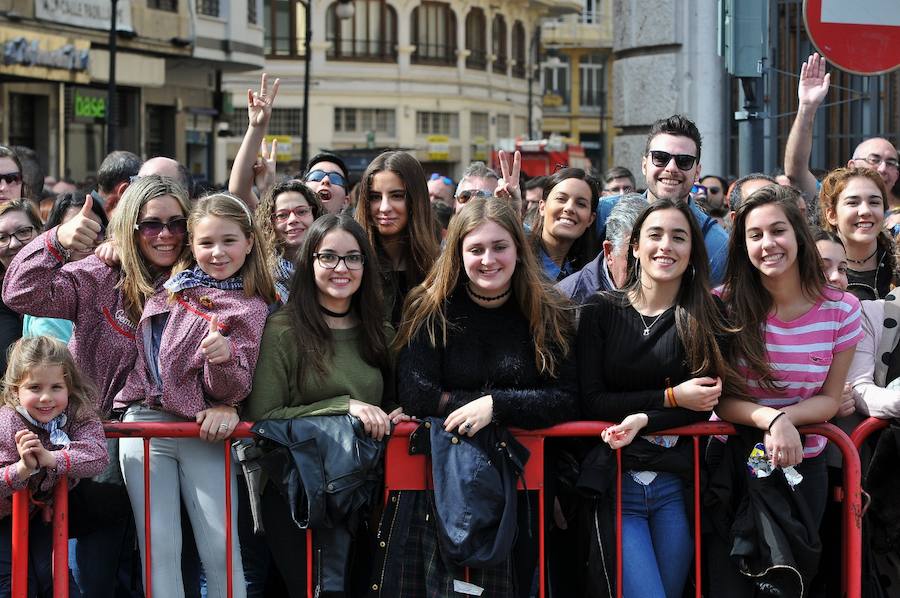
(582, 31)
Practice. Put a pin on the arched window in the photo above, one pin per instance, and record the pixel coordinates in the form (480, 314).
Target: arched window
(370, 34)
(476, 39)
(518, 50)
(434, 33)
(498, 34)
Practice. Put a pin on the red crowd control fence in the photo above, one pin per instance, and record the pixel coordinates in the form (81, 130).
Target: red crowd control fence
(409, 472)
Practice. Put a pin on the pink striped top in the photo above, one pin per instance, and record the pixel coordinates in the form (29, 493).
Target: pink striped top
(801, 352)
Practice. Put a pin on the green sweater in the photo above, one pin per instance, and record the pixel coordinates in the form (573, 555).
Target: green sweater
(276, 394)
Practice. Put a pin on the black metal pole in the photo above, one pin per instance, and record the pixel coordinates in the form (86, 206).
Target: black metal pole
(304, 143)
(111, 88)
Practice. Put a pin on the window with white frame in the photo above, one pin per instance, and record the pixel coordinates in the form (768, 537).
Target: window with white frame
(593, 81)
(503, 131)
(479, 124)
(437, 123)
(363, 120)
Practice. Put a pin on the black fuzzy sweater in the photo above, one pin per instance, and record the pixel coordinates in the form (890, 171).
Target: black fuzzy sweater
(488, 351)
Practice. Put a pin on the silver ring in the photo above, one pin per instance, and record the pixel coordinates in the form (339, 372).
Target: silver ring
(223, 426)
(779, 454)
(468, 426)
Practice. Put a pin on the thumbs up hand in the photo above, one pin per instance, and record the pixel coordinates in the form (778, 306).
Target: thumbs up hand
(82, 232)
(215, 347)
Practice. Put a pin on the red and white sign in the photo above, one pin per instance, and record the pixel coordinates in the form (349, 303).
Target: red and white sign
(859, 36)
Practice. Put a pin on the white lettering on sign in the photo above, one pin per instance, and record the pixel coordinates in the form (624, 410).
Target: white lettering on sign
(861, 12)
(94, 14)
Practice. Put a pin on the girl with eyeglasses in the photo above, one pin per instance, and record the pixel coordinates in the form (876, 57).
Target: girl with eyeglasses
(12, 185)
(66, 207)
(105, 303)
(484, 342)
(285, 213)
(19, 223)
(326, 352)
(395, 212)
(795, 339)
(853, 203)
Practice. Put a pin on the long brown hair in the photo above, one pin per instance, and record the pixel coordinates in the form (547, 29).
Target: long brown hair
(255, 272)
(834, 184)
(313, 336)
(138, 279)
(700, 324)
(548, 314)
(749, 303)
(35, 351)
(421, 246)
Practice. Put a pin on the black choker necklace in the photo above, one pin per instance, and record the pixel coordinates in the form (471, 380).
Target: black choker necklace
(334, 314)
(863, 261)
(483, 298)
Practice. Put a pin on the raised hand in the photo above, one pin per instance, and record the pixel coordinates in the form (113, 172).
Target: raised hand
(259, 105)
(508, 185)
(814, 81)
(81, 232)
(264, 167)
(215, 347)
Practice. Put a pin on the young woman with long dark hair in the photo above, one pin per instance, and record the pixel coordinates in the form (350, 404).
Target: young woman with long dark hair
(326, 352)
(395, 212)
(649, 358)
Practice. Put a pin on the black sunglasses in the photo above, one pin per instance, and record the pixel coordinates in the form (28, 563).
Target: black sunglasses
(682, 161)
(336, 178)
(154, 228)
(11, 178)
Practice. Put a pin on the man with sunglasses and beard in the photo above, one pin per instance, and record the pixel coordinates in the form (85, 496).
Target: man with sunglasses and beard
(671, 166)
(326, 174)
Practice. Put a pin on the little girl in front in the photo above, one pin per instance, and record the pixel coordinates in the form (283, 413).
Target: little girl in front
(198, 341)
(48, 430)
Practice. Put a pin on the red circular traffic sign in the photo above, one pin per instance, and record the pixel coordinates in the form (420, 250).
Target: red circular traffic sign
(861, 37)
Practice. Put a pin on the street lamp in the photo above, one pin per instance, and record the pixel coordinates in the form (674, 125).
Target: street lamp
(111, 83)
(344, 10)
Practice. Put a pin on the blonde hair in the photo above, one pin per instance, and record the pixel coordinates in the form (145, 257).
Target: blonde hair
(255, 272)
(35, 351)
(547, 312)
(137, 282)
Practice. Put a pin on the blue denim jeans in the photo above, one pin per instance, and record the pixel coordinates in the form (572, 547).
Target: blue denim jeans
(657, 549)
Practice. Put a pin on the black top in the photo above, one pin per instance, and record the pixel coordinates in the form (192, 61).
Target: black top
(869, 285)
(488, 351)
(622, 372)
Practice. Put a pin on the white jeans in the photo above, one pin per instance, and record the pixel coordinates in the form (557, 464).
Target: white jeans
(195, 470)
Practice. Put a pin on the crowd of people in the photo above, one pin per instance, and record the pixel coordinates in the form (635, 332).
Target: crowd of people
(328, 313)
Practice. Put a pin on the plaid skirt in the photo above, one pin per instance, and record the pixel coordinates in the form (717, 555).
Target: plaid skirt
(423, 570)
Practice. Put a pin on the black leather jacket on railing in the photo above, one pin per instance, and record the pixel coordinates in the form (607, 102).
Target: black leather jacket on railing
(330, 470)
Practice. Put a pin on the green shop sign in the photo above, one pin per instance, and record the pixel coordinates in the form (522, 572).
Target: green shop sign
(90, 105)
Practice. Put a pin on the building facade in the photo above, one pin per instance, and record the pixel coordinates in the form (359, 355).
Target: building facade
(446, 81)
(169, 59)
(576, 77)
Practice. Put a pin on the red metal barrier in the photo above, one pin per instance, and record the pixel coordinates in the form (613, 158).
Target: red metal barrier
(866, 428)
(406, 472)
(409, 472)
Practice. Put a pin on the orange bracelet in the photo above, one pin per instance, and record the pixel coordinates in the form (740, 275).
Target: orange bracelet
(670, 394)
